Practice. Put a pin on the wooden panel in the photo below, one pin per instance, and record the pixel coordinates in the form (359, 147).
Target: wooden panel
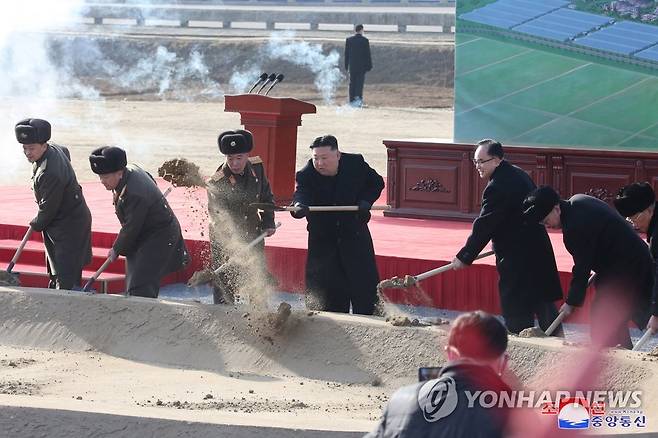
(434, 183)
(436, 179)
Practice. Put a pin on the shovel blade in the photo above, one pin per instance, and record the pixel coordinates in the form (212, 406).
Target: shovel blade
(9, 279)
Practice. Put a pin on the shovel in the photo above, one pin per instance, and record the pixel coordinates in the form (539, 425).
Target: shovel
(108, 260)
(560, 317)
(645, 337)
(412, 280)
(12, 277)
(226, 264)
(264, 206)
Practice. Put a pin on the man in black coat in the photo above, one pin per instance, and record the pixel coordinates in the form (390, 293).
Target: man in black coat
(600, 240)
(357, 62)
(63, 217)
(529, 282)
(237, 183)
(150, 237)
(340, 264)
(440, 408)
(637, 203)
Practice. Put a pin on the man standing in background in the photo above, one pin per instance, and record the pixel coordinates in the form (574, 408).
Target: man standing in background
(357, 63)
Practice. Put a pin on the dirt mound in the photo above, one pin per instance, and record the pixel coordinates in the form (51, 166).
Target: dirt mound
(349, 349)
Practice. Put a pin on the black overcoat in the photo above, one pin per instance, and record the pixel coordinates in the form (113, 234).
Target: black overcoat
(524, 255)
(652, 238)
(602, 241)
(150, 235)
(63, 217)
(357, 54)
(344, 236)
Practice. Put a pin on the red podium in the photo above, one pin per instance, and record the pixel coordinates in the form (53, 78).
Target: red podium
(273, 121)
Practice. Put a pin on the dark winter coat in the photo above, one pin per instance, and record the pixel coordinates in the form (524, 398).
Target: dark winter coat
(340, 240)
(150, 235)
(524, 254)
(652, 238)
(602, 241)
(404, 418)
(63, 215)
(357, 54)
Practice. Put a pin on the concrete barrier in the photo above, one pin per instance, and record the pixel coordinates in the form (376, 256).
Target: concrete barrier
(421, 19)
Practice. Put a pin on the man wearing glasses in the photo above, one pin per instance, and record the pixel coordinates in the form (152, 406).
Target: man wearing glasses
(528, 279)
(600, 240)
(637, 203)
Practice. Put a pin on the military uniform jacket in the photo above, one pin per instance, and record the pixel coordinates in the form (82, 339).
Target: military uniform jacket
(231, 195)
(63, 214)
(524, 255)
(357, 54)
(340, 234)
(403, 417)
(150, 235)
(600, 240)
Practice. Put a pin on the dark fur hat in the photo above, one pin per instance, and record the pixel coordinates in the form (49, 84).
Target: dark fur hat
(30, 131)
(107, 159)
(634, 198)
(539, 203)
(235, 142)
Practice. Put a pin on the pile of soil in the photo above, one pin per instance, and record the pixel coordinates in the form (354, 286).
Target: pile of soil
(532, 332)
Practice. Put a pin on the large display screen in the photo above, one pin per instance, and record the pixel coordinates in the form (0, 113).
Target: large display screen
(578, 73)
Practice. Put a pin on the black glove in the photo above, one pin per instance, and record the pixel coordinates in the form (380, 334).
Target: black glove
(302, 212)
(364, 210)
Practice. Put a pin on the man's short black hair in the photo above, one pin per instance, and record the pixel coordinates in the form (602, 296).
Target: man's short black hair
(478, 335)
(325, 140)
(358, 28)
(494, 148)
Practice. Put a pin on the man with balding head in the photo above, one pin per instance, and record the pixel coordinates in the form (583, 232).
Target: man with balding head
(528, 279)
(150, 237)
(63, 216)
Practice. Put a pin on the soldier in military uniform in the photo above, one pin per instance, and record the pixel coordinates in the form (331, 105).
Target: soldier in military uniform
(237, 183)
(63, 217)
(150, 237)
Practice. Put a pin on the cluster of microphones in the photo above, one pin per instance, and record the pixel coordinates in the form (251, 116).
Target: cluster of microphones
(266, 80)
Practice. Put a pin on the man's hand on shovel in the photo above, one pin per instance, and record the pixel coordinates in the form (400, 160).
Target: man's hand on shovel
(457, 264)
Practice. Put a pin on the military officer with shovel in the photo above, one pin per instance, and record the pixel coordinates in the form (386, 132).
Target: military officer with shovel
(63, 216)
(150, 237)
(237, 183)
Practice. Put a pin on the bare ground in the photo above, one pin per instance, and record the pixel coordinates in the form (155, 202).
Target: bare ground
(206, 364)
(155, 131)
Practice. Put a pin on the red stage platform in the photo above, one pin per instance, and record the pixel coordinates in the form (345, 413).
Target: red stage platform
(403, 246)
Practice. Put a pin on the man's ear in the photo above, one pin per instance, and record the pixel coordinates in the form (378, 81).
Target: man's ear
(452, 352)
